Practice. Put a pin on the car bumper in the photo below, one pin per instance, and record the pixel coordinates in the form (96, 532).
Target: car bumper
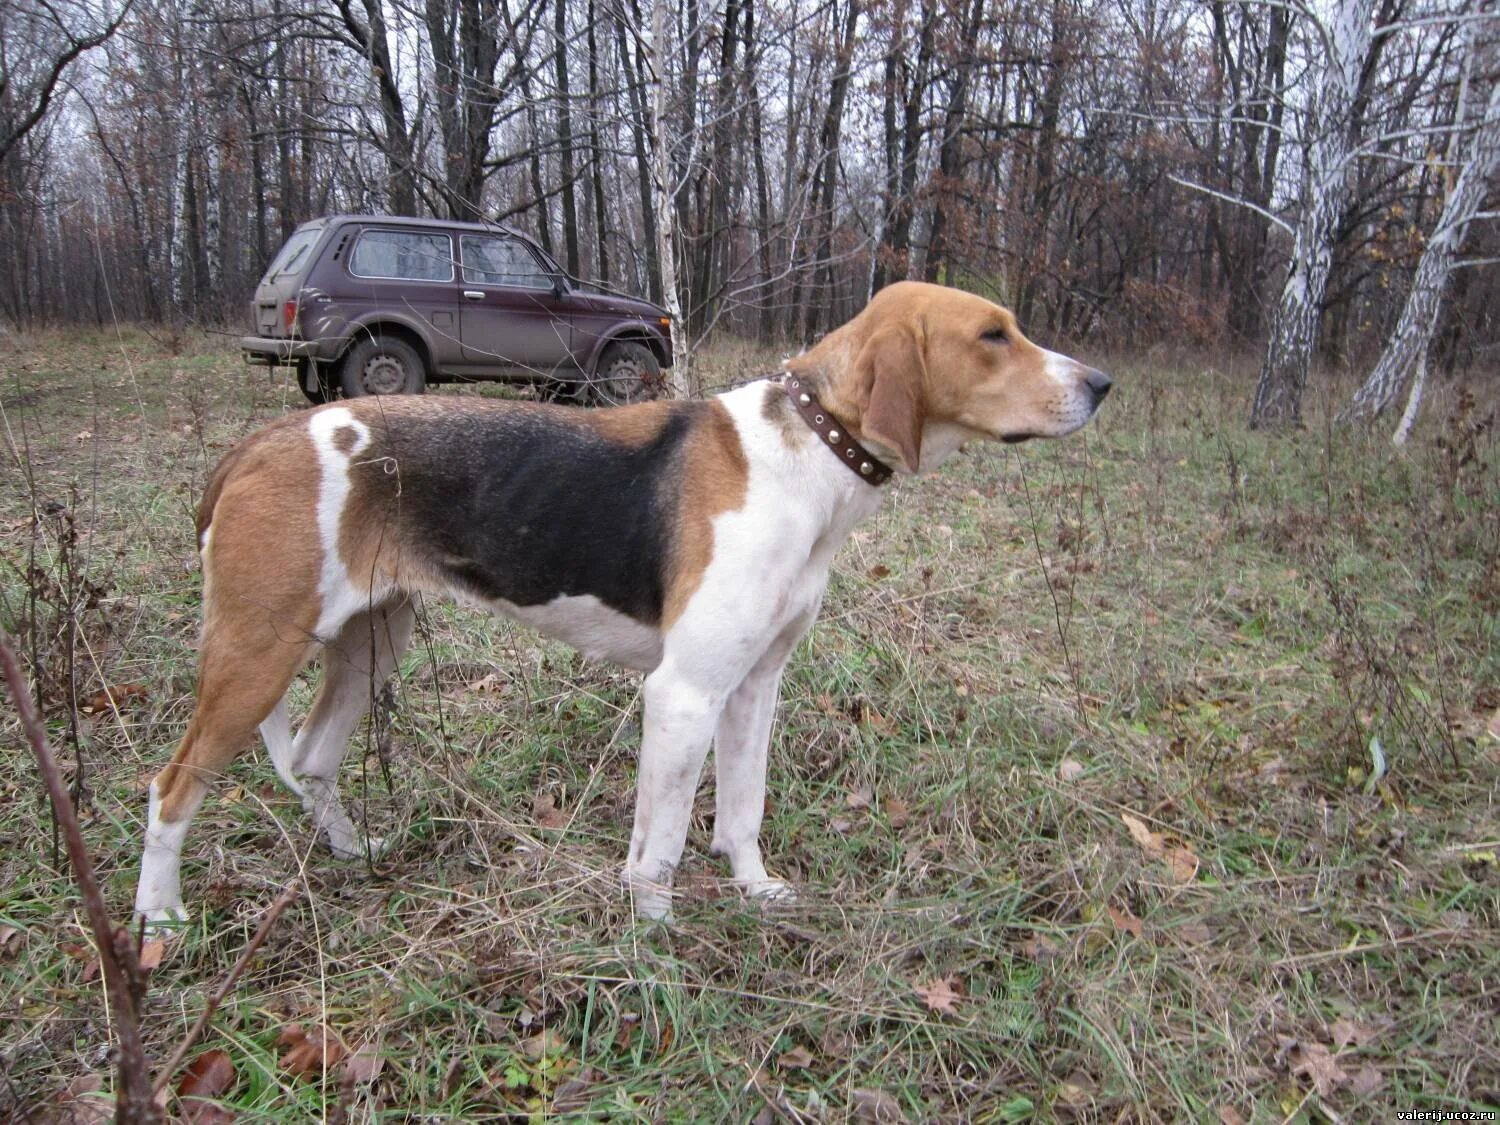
(269, 351)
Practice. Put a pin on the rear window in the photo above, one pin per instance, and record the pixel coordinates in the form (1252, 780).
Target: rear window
(294, 252)
(405, 254)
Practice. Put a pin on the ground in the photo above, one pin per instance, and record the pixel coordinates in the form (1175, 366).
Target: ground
(1138, 776)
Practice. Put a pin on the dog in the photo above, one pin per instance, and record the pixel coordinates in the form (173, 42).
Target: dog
(689, 540)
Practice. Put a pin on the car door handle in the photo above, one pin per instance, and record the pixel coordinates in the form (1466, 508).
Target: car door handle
(473, 295)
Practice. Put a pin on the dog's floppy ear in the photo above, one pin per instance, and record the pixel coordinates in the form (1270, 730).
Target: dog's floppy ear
(889, 374)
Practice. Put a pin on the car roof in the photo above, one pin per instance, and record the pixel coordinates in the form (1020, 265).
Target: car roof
(410, 221)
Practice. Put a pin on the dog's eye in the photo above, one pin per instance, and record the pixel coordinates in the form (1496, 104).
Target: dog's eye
(997, 336)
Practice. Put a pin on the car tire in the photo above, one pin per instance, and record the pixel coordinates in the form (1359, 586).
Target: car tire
(627, 372)
(382, 365)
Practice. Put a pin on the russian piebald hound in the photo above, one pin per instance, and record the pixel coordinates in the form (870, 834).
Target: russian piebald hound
(690, 540)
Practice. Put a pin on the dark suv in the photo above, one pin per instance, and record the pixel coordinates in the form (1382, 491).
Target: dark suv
(364, 304)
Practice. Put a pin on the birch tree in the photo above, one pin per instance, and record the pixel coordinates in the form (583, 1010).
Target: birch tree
(656, 55)
(1347, 39)
(1405, 353)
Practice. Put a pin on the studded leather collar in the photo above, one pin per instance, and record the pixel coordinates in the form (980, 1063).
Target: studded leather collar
(855, 457)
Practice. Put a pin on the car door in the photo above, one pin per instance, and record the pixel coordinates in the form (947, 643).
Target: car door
(511, 312)
(399, 273)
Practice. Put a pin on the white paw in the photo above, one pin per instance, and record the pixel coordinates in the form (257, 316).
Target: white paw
(162, 921)
(358, 847)
(651, 898)
(771, 891)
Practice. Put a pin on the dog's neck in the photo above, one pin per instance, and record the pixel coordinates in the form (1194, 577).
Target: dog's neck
(822, 369)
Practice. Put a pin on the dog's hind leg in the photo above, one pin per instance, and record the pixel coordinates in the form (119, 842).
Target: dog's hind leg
(246, 665)
(355, 665)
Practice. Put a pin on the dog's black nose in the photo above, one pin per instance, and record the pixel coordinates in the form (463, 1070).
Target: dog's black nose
(1099, 383)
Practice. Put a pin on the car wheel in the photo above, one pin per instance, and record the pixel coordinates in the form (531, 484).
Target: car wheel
(383, 365)
(626, 372)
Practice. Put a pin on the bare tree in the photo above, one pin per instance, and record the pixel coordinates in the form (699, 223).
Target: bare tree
(1346, 39)
(39, 43)
(1468, 177)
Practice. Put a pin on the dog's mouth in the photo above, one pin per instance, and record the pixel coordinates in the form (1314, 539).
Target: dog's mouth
(1016, 439)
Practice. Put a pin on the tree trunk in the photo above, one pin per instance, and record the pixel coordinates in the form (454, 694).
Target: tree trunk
(596, 153)
(1406, 350)
(565, 135)
(1294, 324)
(828, 146)
(662, 202)
(950, 153)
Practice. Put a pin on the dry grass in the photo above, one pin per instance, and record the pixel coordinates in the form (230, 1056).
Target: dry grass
(1171, 618)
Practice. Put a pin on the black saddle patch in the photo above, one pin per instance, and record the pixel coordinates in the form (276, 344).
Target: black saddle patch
(528, 505)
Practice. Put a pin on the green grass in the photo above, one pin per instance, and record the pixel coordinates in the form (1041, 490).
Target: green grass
(1240, 615)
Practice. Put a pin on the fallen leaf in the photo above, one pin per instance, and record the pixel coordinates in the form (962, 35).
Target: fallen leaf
(1183, 864)
(151, 953)
(880, 570)
(543, 1043)
(841, 825)
(547, 814)
(798, 1058)
(861, 798)
(1181, 861)
(1126, 921)
(939, 995)
(1366, 1081)
(309, 1055)
(210, 1075)
(363, 1065)
(1149, 841)
(575, 1093)
(1343, 1032)
(897, 812)
(1077, 1090)
(8, 942)
(875, 1106)
(1196, 933)
(1314, 1061)
(1228, 1115)
(1069, 770)
(84, 1102)
(1039, 947)
(117, 696)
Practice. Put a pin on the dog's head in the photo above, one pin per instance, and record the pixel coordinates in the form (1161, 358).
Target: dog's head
(925, 368)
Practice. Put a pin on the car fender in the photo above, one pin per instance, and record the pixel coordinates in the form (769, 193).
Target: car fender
(354, 328)
(630, 330)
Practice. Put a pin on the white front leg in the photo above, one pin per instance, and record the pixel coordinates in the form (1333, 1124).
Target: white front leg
(740, 750)
(678, 725)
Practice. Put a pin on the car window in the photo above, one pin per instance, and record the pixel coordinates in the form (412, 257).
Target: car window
(293, 252)
(501, 261)
(406, 254)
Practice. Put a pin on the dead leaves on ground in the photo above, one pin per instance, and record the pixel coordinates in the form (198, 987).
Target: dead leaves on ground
(941, 995)
(546, 813)
(309, 1055)
(115, 697)
(1318, 1064)
(209, 1077)
(1181, 862)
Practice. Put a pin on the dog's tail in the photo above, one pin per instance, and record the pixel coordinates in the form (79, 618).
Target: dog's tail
(226, 467)
(215, 488)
